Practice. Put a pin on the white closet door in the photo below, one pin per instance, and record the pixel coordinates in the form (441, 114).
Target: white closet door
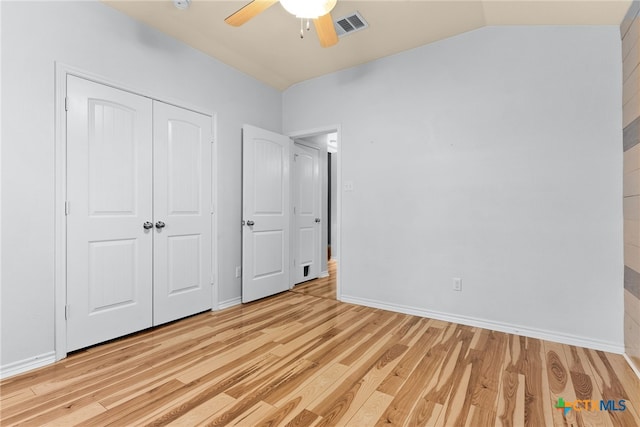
(265, 206)
(109, 193)
(306, 203)
(182, 202)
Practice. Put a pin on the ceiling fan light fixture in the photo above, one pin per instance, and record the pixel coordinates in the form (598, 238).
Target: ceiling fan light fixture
(308, 9)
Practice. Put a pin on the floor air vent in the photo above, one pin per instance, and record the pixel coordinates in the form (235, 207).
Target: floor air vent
(350, 24)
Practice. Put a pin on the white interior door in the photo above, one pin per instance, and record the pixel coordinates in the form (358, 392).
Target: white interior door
(265, 206)
(109, 200)
(182, 268)
(306, 211)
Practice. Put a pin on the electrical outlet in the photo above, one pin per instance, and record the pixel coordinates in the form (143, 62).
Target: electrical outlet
(238, 271)
(457, 284)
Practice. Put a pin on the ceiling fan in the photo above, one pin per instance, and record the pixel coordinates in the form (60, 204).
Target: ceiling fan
(319, 11)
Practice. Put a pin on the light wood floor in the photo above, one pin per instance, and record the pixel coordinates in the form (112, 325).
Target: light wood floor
(298, 359)
(324, 287)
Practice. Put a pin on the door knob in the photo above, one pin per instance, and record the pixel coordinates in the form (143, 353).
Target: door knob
(147, 225)
(160, 224)
(250, 223)
(317, 219)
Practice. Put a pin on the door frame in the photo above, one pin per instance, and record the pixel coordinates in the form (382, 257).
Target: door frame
(306, 133)
(61, 71)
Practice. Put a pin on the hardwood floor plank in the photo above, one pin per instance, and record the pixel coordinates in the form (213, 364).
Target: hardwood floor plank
(408, 363)
(44, 403)
(385, 327)
(214, 384)
(220, 363)
(490, 354)
(361, 383)
(560, 385)
(313, 389)
(370, 411)
(421, 379)
(629, 380)
(304, 419)
(548, 408)
(529, 364)
(611, 388)
(302, 359)
(296, 372)
(377, 349)
(584, 387)
(451, 351)
(140, 407)
(425, 413)
(253, 415)
(77, 416)
(507, 398)
(480, 416)
(456, 408)
(300, 339)
(520, 414)
(15, 397)
(207, 410)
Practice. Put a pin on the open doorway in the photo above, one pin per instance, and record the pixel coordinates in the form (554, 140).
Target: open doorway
(326, 283)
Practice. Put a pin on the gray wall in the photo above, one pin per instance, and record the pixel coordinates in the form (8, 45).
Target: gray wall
(95, 38)
(493, 156)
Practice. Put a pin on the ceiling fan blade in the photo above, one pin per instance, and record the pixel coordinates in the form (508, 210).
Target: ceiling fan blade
(326, 31)
(249, 11)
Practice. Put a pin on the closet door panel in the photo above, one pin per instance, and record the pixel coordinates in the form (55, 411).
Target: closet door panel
(182, 212)
(109, 194)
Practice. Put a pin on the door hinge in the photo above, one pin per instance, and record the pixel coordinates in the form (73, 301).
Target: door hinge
(66, 312)
(212, 281)
(66, 103)
(67, 208)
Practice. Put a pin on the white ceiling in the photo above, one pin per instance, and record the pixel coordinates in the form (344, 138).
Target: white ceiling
(269, 47)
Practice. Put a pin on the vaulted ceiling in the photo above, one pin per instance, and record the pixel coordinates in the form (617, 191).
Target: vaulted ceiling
(269, 47)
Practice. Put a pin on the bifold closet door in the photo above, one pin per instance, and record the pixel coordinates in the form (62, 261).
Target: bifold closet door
(182, 268)
(109, 201)
(139, 206)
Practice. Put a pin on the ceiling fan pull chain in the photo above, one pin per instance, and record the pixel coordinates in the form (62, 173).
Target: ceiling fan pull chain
(318, 11)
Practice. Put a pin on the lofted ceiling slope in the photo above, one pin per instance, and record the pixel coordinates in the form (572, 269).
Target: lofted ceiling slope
(269, 47)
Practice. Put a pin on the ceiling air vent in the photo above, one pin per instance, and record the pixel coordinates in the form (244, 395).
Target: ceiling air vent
(350, 24)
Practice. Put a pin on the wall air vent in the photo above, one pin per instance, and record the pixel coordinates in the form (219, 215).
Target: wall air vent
(350, 24)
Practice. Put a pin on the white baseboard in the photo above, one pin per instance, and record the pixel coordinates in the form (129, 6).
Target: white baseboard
(633, 365)
(323, 274)
(229, 303)
(494, 326)
(28, 364)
